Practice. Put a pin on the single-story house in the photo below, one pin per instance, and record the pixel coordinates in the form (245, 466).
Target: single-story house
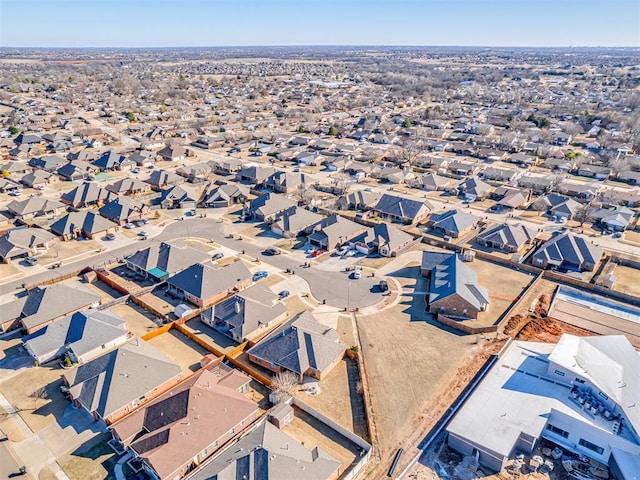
(568, 251)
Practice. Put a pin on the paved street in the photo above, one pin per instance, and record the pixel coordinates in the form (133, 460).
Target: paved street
(8, 464)
(334, 287)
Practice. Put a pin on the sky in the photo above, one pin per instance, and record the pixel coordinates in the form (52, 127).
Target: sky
(178, 23)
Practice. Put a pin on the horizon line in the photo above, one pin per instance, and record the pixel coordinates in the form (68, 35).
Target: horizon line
(318, 45)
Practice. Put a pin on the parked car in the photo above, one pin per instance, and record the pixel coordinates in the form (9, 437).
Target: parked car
(40, 187)
(144, 221)
(111, 236)
(31, 260)
(617, 235)
(272, 251)
(142, 233)
(350, 253)
(343, 249)
(317, 253)
(311, 250)
(135, 170)
(384, 286)
(260, 275)
(129, 225)
(217, 256)
(356, 275)
(15, 193)
(283, 294)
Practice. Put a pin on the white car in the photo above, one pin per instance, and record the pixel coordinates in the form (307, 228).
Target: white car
(350, 253)
(14, 193)
(129, 225)
(357, 274)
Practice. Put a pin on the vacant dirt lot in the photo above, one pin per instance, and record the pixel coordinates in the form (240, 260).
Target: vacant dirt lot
(93, 461)
(504, 285)
(138, 321)
(409, 360)
(62, 251)
(627, 280)
(182, 350)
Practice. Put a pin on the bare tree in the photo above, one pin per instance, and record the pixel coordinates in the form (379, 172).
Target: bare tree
(409, 152)
(40, 394)
(304, 194)
(584, 213)
(285, 381)
(342, 183)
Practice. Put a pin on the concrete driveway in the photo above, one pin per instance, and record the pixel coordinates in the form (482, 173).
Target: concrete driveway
(70, 431)
(13, 365)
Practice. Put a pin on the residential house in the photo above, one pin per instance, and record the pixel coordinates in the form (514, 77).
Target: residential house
(506, 175)
(50, 163)
(87, 194)
(177, 431)
(8, 185)
(568, 251)
(616, 218)
(82, 224)
(207, 142)
(124, 210)
(204, 285)
(43, 305)
(523, 159)
(173, 153)
(111, 160)
(286, 182)
(599, 172)
(452, 223)
(34, 207)
(388, 241)
(160, 179)
(359, 200)
(198, 173)
(583, 191)
(37, 178)
(117, 383)
(558, 205)
(256, 175)
(510, 198)
(629, 176)
(143, 158)
(334, 231)
(128, 186)
(246, 315)
(432, 182)
(159, 260)
(222, 196)
(507, 237)
(294, 222)
(453, 290)
(24, 242)
(226, 166)
(77, 170)
(81, 337)
(474, 189)
(268, 206)
(179, 196)
(302, 345)
(462, 167)
(267, 452)
(402, 209)
(537, 182)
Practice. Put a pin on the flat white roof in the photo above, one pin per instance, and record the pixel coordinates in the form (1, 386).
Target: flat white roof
(515, 397)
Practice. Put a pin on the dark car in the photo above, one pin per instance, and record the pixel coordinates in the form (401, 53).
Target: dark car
(217, 256)
(283, 294)
(384, 286)
(272, 251)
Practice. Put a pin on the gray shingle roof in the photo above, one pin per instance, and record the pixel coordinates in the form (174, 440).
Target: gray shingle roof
(81, 333)
(204, 282)
(449, 276)
(511, 235)
(112, 381)
(453, 220)
(267, 453)
(166, 256)
(570, 249)
(401, 207)
(300, 344)
(84, 221)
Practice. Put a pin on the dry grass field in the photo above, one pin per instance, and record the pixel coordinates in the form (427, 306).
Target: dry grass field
(182, 350)
(627, 280)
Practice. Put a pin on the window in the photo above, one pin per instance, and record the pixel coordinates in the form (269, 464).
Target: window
(591, 446)
(557, 431)
(579, 380)
(559, 372)
(232, 431)
(603, 395)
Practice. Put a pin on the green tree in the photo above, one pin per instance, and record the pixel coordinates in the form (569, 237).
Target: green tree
(333, 131)
(13, 130)
(406, 123)
(130, 116)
